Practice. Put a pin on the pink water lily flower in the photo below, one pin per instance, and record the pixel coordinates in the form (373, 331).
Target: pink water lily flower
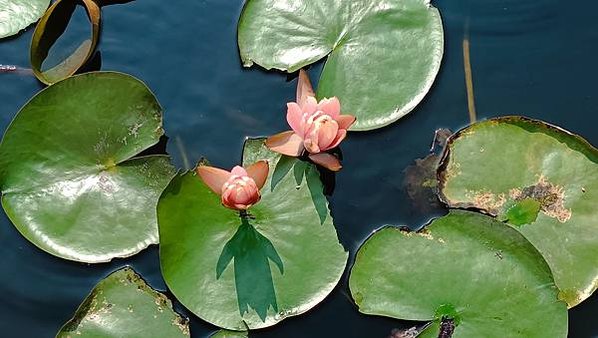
(239, 189)
(316, 127)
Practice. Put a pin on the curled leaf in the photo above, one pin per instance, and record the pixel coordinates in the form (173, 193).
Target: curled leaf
(51, 26)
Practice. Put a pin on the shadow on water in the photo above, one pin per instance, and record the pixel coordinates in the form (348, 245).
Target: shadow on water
(251, 252)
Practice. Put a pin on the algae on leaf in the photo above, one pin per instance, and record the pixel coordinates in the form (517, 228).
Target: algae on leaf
(541, 179)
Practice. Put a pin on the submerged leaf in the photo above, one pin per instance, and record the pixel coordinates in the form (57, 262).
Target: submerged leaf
(252, 271)
(510, 167)
(466, 272)
(123, 305)
(70, 181)
(383, 56)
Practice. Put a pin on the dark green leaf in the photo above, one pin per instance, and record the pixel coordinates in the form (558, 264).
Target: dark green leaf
(69, 181)
(522, 212)
(479, 275)
(248, 273)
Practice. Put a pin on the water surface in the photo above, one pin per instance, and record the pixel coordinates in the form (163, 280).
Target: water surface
(535, 58)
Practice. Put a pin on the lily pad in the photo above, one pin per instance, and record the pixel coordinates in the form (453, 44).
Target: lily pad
(383, 56)
(123, 305)
(51, 26)
(248, 273)
(16, 15)
(464, 270)
(229, 334)
(541, 179)
(70, 181)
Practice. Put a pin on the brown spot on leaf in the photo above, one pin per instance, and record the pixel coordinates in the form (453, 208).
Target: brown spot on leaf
(425, 233)
(182, 324)
(550, 196)
(487, 201)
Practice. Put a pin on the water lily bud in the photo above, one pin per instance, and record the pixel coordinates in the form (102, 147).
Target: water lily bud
(239, 189)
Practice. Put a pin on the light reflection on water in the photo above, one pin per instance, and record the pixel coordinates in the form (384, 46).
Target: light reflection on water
(535, 58)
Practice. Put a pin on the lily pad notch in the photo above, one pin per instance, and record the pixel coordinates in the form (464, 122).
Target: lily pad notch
(241, 273)
(382, 56)
(467, 273)
(71, 177)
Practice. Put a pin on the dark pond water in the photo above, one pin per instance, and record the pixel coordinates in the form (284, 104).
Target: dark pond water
(529, 57)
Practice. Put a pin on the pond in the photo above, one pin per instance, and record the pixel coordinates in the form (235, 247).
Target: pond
(531, 58)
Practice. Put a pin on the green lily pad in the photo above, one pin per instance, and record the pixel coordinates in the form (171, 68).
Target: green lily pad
(123, 305)
(51, 26)
(230, 334)
(70, 181)
(496, 165)
(251, 273)
(464, 269)
(16, 15)
(383, 55)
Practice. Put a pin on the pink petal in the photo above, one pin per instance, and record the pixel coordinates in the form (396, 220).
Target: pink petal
(342, 133)
(239, 171)
(327, 161)
(286, 143)
(327, 134)
(311, 145)
(331, 107)
(310, 105)
(345, 121)
(294, 117)
(304, 87)
(214, 178)
(259, 172)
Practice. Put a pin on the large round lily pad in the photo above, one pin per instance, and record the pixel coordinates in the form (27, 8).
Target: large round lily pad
(250, 274)
(123, 305)
(383, 55)
(464, 269)
(70, 181)
(16, 15)
(538, 178)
